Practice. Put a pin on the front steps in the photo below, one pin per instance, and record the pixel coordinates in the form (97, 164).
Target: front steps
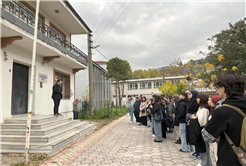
(49, 134)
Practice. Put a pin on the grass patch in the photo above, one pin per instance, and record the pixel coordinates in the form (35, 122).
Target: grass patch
(34, 160)
(105, 113)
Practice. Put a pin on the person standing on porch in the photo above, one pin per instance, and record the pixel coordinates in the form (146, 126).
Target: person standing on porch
(56, 96)
(76, 108)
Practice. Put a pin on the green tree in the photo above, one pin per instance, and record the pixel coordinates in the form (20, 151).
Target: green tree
(231, 43)
(181, 87)
(150, 73)
(118, 70)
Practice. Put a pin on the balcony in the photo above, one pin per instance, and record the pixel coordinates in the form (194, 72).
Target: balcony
(25, 20)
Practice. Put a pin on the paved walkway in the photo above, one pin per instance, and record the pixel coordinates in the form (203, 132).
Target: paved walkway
(121, 143)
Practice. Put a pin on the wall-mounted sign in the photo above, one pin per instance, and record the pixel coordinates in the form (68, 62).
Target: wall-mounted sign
(42, 78)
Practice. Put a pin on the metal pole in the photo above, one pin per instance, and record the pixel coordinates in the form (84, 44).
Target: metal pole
(31, 90)
(108, 109)
(116, 107)
(111, 106)
(90, 75)
(82, 110)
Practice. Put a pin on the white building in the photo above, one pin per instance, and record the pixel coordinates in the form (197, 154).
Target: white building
(145, 87)
(56, 58)
(101, 85)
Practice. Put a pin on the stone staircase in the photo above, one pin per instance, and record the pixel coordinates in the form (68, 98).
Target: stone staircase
(49, 134)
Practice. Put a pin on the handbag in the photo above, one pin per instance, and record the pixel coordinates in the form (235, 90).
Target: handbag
(143, 111)
(158, 116)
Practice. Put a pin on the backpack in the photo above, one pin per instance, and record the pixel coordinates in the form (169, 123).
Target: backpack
(241, 150)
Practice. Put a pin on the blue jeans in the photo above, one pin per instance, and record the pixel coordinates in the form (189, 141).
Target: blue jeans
(75, 114)
(152, 125)
(131, 113)
(182, 133)
(157, 128)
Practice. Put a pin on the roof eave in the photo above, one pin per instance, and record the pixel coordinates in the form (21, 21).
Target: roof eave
(77, 15)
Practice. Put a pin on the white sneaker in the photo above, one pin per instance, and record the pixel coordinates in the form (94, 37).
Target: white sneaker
(130, 122)
(153, 135)
(199, 164)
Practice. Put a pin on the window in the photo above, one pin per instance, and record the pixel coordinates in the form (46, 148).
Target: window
(145, 85)
(158, 84)
(132, 86)
(65, 78)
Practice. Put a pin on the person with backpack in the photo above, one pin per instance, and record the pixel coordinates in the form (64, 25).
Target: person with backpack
(228, 123)
(129, 106)
(170, 110)
(136, 110)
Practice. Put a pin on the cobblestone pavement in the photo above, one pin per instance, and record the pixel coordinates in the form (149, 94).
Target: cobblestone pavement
(70, 153)
(130, 144)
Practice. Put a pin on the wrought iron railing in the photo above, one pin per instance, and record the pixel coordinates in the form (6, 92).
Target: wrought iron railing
(27, 17)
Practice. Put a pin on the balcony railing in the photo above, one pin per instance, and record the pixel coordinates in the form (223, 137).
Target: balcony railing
(25, 20)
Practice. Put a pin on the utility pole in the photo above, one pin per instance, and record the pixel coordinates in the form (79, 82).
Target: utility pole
(31, 89)
(90, 70)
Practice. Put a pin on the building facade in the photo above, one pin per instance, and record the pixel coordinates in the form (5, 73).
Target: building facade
(101, 85)
(145, 87)
(56, 56)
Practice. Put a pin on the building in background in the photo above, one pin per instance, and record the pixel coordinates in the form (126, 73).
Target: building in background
(145, 87)
(101, 85)
(56, 56)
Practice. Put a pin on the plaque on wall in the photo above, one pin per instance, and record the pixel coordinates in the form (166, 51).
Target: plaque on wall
(42, 78)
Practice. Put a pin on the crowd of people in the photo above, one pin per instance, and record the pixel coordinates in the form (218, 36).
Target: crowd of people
(201, 124)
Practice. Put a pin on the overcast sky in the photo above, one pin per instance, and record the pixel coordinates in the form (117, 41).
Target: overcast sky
(153, 34)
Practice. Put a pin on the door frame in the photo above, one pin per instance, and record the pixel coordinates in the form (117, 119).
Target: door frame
(28, 83)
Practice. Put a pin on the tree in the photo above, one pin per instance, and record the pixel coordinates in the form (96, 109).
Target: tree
(174, 69)
(229, 49)
(118, 70)
(181, 87)
(168, 88)
(150, 73)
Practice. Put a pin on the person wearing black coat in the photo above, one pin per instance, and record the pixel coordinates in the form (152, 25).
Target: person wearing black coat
(181, 119)
(157, 124)
(191, 108)
(163, 122)
(56, 96)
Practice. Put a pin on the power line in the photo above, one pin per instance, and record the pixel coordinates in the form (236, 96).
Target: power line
(115, 21)
(101, 54)
(100, 16)
(109, 11)
(111, 20)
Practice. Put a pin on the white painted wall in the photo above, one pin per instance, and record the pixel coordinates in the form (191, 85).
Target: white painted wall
(43, 102)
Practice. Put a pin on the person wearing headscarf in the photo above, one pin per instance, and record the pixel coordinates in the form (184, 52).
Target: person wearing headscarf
(191, 108)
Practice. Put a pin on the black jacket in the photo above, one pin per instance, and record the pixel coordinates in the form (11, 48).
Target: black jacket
(192, 107)
(181, 117)
(228, 120)
(155, 108)
(56, 94)
(163, 108)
